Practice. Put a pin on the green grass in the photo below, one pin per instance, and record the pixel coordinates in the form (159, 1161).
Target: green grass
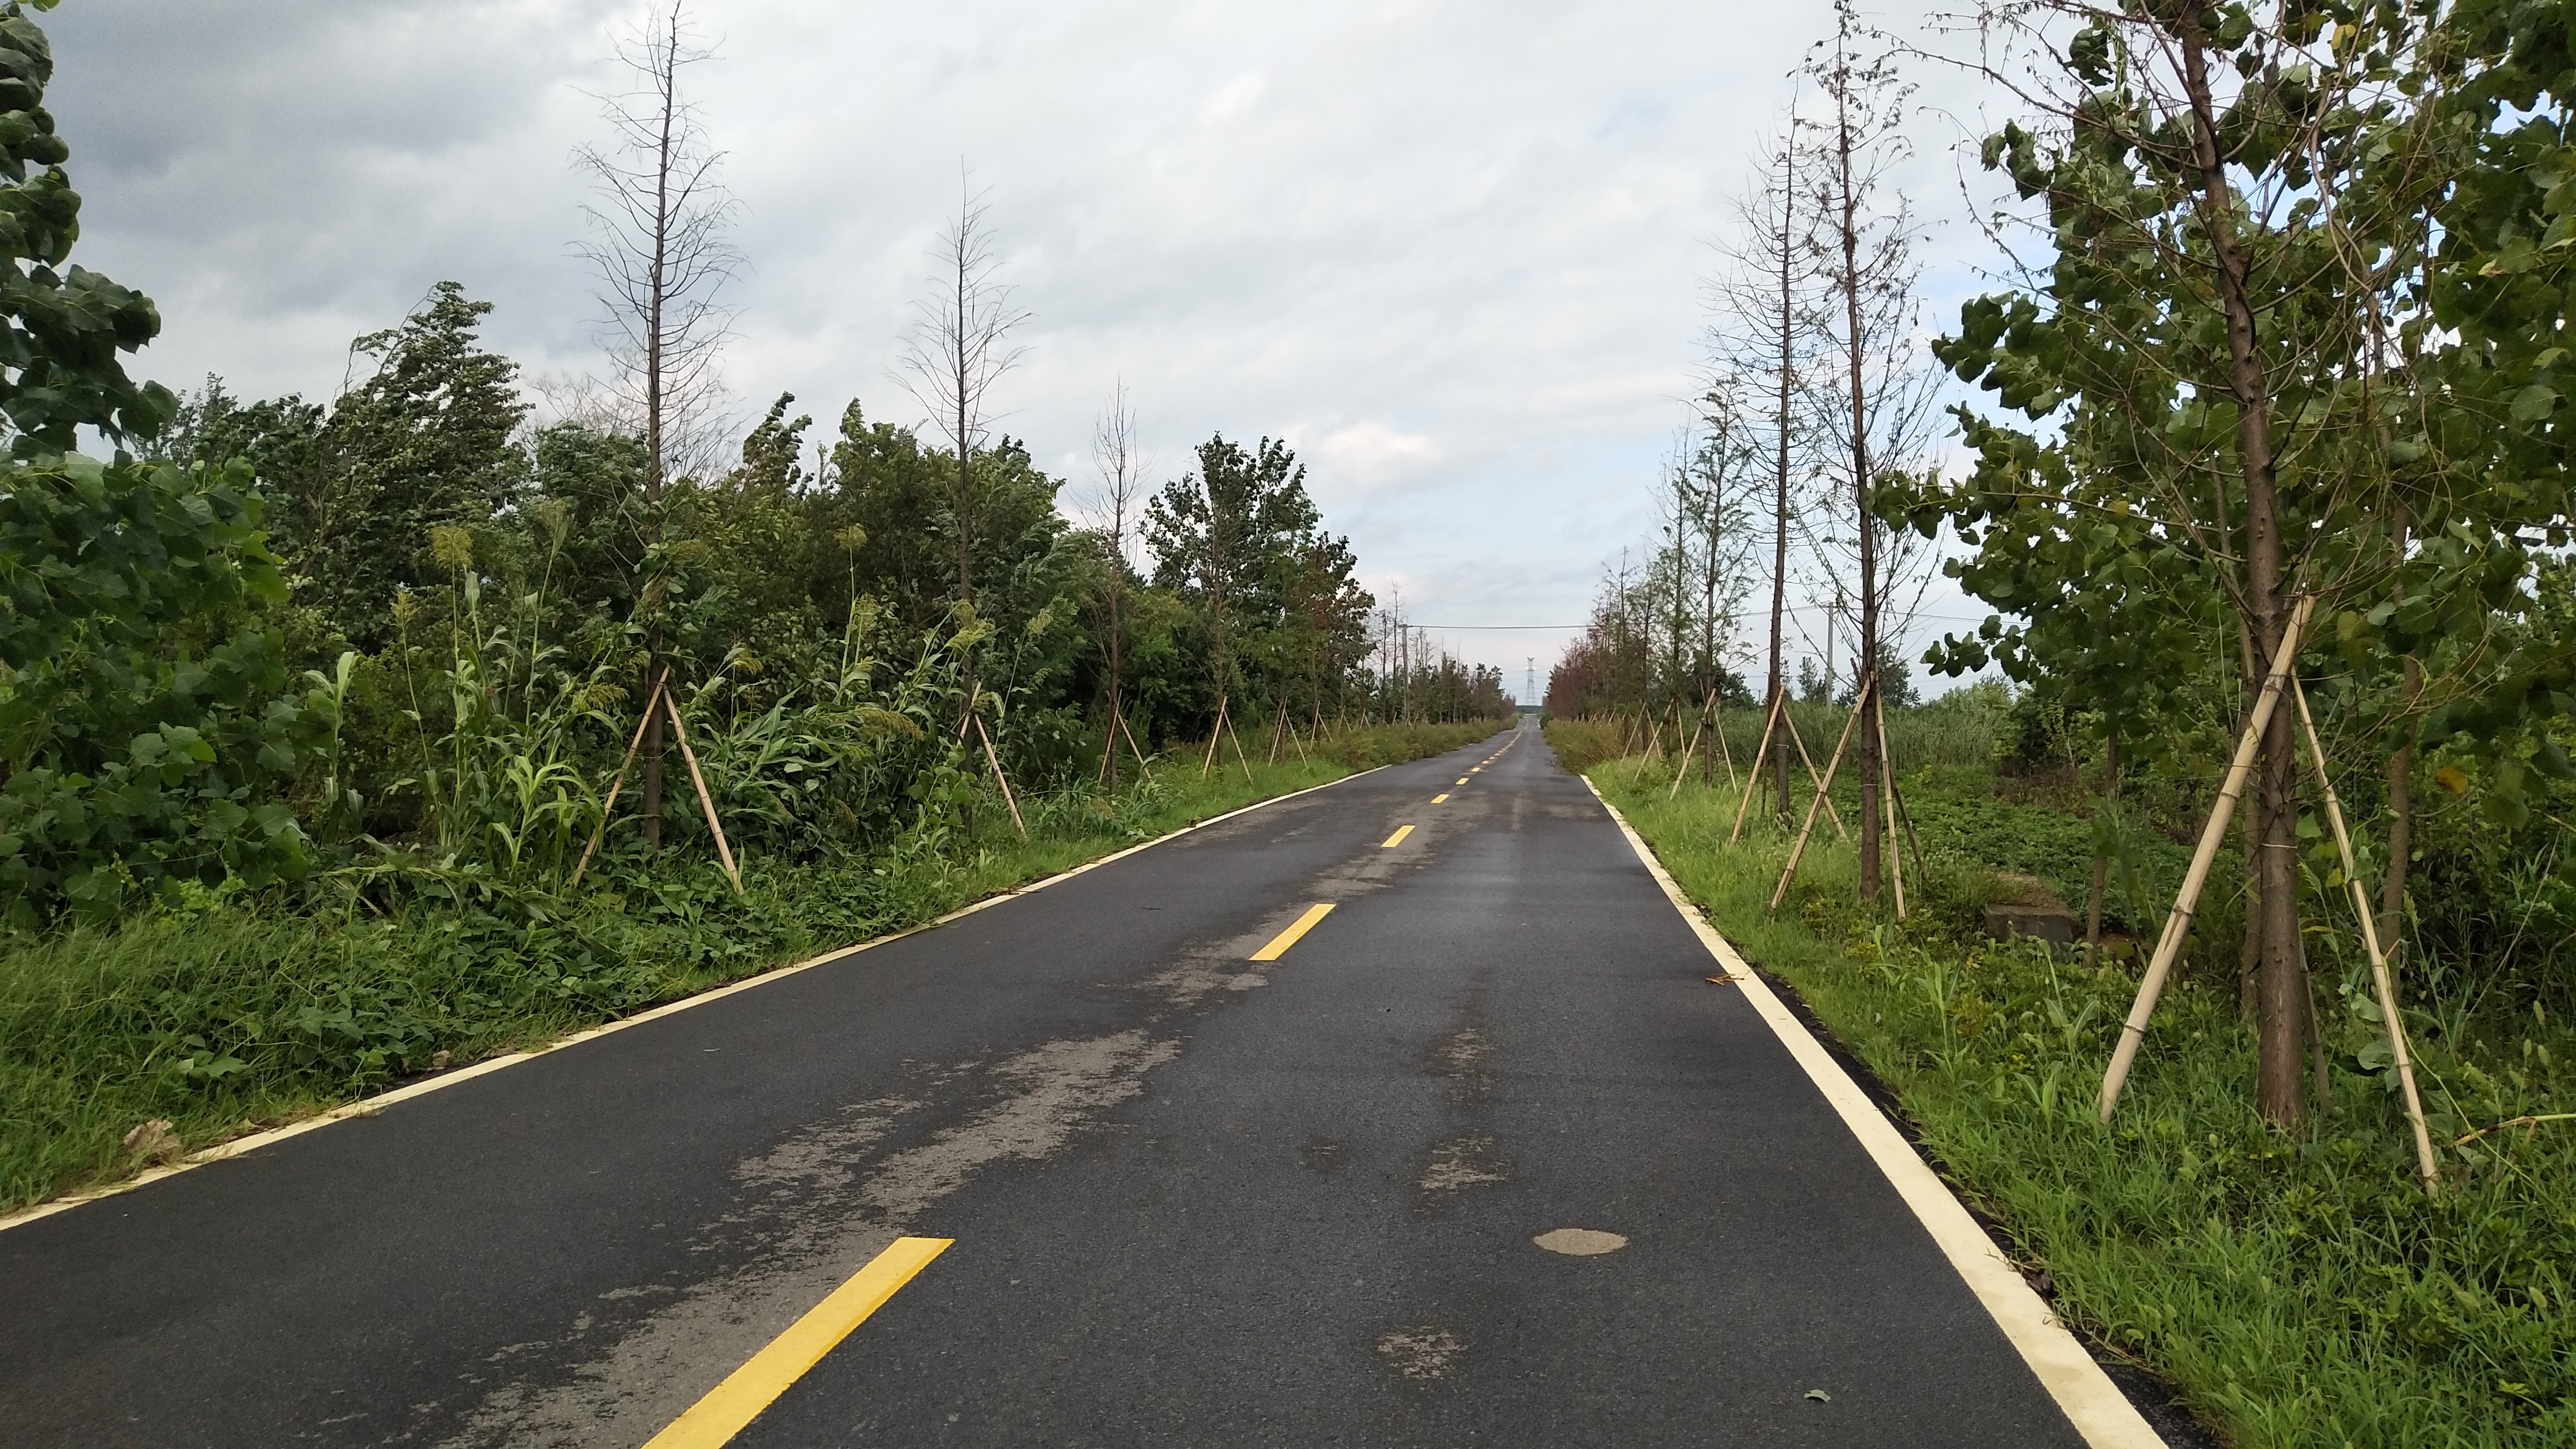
(233, 1016)
(2297, 1289)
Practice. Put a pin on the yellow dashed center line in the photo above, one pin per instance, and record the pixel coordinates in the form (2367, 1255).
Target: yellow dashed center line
(1397, 838)
(730, 1405)
(1462, 779)
(1280, 943)
(1440, 798)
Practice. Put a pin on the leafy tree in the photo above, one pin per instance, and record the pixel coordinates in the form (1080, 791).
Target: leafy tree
(2236, 197)
(144, 726)
(1226, 537)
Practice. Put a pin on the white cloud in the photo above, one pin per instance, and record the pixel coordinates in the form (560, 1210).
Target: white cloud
(1231, 100)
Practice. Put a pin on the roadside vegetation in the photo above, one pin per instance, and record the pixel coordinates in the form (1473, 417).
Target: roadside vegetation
(2296, 1288)
(349, 739)
(2251, 469)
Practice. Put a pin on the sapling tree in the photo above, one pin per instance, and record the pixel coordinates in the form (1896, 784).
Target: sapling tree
(661, 252)
(1113, 452)
(1872, 404)
(961, 345)
(1762, 333)
(2234, 198)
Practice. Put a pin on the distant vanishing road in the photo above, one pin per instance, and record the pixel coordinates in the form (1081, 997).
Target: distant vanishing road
(1189, 1197)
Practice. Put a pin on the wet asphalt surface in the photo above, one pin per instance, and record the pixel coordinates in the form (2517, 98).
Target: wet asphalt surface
(1195, 1200)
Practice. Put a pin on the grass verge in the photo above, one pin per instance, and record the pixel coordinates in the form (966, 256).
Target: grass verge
(2297, 1289)
(231, 1018)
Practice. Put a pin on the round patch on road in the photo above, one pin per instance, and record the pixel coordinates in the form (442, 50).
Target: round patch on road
(1580, 1242)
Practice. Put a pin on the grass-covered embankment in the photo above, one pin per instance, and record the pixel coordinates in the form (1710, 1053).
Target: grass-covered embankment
(237, 1015)
(2298, 1290)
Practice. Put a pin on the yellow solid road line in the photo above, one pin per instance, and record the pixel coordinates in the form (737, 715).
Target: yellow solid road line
(1280, 943)
(1439, 798)
(730, 1405)
(1397, 838)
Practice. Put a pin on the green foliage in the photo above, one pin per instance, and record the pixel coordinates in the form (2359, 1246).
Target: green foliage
(1241, 543)
(147, 728)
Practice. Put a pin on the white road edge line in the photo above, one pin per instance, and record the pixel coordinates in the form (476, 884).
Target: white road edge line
(2095, 1405)
(370, 1106)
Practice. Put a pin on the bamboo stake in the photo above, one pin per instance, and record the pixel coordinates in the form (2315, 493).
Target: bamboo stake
(2380, 978)
(1215, 736)
(706, 802)
(2178, 921)
(1832, 814)
(995, 761)
(1822, 787)
(1141, 763)
(1684, 772)
(1887, 790)
(642, 723)
(1717, 713)
(1761, 752)
(1905, 817)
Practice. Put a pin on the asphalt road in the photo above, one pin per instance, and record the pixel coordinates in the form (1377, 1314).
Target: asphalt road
(1195, 1199)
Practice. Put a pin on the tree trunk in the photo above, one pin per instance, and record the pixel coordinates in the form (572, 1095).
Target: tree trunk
(1865, 664)
(2280, 1088)
(1780, 496)
(2401, 793)
(2101, 862)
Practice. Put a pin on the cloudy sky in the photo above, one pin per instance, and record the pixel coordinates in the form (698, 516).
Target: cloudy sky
(1453, 252)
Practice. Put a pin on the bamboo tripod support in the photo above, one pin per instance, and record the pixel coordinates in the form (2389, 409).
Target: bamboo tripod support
(1216, 737)
(1895, 814)
(1684, 772)
(1887, 804)
(1795, 738)
(2382, 983)
(661, 696)
(995, 760)
(643, 722)
(974, 722)
(1860, 702)
(1141, 762)
(1904, 817)
(1780, 713)
(1225, 731)
(706, 802)
(1717, 730)
(1761, 752)
(2178, 921)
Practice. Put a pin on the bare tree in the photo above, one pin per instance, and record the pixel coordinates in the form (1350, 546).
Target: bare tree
(1762, 334)
(1879, 409)
(659, 246)
(659, 249)
(1113, 451)
(960, 346)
